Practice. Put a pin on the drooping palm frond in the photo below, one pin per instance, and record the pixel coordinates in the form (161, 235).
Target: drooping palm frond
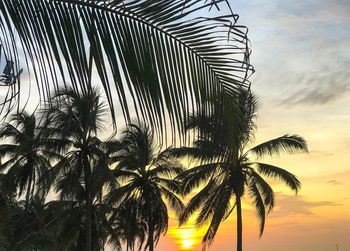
(197, 200)
(164, 54)
(264, 189)
(258, 204)
(276, 172)
(216, 213)
(286, 143)
(198, 175)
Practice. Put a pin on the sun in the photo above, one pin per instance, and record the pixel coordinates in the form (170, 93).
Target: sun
(187, 244)
(186, 237)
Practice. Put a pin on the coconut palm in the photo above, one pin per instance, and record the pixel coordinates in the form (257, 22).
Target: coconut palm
(28, 225)
(146, 179)
(75, 120)
(162, 58)
(24, 145)
(227, 169)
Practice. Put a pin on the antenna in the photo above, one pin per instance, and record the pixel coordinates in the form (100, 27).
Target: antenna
(8, 77)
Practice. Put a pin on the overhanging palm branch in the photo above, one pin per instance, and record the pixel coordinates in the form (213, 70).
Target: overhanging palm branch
(159, 53)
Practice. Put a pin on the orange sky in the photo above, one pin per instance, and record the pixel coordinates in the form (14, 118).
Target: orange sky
(316, 219)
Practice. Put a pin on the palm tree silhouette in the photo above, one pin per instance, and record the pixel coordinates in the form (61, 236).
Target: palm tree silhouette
(74, 121)
(28, 156)
(226, 167)
(28, 226)
(146, 178)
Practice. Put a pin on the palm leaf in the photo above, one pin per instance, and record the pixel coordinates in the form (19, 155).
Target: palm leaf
(259, 205)
(195, 176)
(264, 188)
(276, 172)
(198, 200)
(286, 143)
(158, 53)
(174, 201)
(221, 208)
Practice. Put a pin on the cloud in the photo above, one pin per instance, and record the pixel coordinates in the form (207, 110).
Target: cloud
(327, 85)
(333, 182)
(300, 51)
(296, 205)
(319, 95)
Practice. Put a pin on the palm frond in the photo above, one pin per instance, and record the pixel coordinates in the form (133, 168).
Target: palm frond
(276, 172)
(170, 184)
(286, 143)
(158, 52)
(174, 201)
(195, 176)
(169, 168)
(264, 188)
(259, 205)
(197, 201)
(221, 208)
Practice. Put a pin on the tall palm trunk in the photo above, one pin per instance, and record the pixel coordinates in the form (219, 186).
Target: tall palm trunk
(239, 223)
(88, 202)
(29, 189)
(150, 236)
(150, 232)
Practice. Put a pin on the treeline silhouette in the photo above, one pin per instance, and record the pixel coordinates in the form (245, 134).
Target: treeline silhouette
(118, 191)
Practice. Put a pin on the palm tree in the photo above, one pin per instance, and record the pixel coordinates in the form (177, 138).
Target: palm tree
(74, 122)
(146, 179)
(27, 155)
(164, 56)
(28, 225)
(226, 168)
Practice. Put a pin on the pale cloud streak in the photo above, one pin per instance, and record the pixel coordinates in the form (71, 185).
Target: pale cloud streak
(288, 205)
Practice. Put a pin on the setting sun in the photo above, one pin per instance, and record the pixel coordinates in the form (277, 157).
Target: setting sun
(187, 244)
(187, 237)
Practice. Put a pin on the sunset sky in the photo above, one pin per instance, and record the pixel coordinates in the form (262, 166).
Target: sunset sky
(301, 54)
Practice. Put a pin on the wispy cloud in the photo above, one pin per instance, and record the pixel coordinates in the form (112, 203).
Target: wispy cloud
(328, 89)
(333, 182)
(297, 205)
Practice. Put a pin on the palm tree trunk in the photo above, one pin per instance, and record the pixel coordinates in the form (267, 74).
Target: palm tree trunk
(28, 191)
(150, 229)
(150, 234)
(88, 203)
(239, 223)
